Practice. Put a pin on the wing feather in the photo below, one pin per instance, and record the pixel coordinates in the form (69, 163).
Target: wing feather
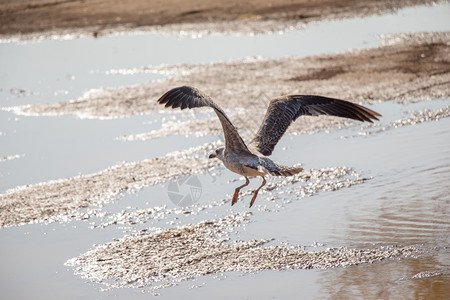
(190, 97)
(282, 111)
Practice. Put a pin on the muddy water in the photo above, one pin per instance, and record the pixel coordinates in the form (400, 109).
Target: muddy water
(405, 202)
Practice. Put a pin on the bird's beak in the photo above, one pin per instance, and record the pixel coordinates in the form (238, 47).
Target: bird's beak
(212, 155)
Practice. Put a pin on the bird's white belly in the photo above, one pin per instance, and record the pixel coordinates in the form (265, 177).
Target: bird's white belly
(241, 169)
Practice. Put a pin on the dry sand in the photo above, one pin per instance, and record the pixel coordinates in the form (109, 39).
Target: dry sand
(46, 17)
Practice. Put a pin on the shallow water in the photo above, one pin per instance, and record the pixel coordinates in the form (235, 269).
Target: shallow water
(405, 202)
(57, 70)
(66, 147)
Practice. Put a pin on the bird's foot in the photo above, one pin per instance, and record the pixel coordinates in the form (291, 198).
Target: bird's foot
(235, 198)
(253, 199)
(256, 192)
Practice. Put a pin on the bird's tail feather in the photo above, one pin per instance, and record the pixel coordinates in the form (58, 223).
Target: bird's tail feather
(285, 171)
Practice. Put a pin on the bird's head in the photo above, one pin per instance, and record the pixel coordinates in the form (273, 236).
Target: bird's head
(217, 154)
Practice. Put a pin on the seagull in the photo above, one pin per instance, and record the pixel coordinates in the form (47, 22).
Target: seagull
(251, 160)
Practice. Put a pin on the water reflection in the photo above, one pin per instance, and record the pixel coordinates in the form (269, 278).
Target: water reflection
(407, 205)
(407, 202)
(385, 281)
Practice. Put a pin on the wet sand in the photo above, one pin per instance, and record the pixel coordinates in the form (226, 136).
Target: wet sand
(406, 68)
(410, 66)
(176, 254)
(29, 204)
(47, 201)
(25, 17)
(10, 157)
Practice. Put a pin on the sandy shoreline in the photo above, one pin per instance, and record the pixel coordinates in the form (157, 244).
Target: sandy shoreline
(61, 199)
(411, 66)
(176, 254)
(31, 18)
(408, 66)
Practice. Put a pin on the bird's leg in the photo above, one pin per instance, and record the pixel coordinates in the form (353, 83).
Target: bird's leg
(257, 190)
(236, 192)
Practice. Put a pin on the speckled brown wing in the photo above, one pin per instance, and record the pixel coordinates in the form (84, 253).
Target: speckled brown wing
(190, 97)
(282, 111)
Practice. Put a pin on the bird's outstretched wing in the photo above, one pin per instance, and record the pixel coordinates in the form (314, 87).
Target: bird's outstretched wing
(282, 111)
(190, 97)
